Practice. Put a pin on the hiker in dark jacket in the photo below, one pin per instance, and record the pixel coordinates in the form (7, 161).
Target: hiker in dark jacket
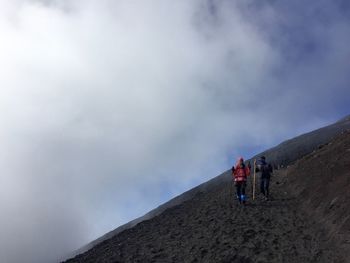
(265, 170)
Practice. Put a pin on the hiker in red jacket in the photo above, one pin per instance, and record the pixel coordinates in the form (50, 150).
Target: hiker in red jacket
(240, 172)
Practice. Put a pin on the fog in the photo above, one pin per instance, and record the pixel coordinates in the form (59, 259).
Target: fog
(110, 108)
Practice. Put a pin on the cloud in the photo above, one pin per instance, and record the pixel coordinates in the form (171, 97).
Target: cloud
(109, 108)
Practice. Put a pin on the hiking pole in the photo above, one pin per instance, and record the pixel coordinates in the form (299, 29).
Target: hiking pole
(254, 179)
(251, 185)
(230, 198)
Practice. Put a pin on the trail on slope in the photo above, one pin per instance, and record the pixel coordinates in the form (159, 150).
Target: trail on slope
(213, 227)
(306, 220)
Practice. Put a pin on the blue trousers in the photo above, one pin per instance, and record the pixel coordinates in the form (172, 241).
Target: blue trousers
(264, 186)
(240, 191)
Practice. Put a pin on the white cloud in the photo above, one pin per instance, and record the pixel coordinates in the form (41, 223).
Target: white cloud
(107, 105)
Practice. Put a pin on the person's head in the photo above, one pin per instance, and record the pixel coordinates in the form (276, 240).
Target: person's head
(263, 158)
(240, 161)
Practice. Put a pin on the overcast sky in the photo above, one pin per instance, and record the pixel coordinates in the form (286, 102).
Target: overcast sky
(109, 108)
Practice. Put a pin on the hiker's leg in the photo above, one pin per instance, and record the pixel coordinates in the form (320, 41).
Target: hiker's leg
(262, 186)
(243, 197)
(267, 185)
(238, 191)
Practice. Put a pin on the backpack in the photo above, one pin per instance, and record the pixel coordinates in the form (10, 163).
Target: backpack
(265, 169)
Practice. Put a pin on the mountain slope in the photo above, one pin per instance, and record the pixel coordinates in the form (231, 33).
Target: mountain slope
(291, 150)
(283, 154)
(322, 182)
(297, 225)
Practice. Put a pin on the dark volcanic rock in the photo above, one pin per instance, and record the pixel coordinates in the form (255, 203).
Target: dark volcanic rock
(281, 155)
(306, 220)
(321, 181)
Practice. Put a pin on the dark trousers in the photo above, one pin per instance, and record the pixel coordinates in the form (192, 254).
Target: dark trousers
(264, 186)
(240, 190)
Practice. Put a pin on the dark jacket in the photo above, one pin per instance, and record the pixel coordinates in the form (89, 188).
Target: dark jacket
(264, 168)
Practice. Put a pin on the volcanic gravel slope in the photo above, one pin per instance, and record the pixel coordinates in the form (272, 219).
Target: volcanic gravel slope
(281, 155)
(306, 220)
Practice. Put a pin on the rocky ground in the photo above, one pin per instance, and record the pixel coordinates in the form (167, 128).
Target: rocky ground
(306, 220)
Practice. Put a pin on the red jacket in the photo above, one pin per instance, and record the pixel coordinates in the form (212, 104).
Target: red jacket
(240, 173)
